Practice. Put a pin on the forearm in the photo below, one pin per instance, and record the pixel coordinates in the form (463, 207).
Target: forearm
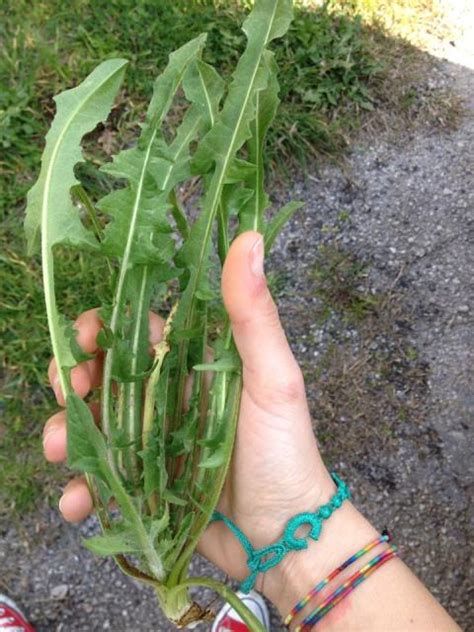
(392, 599)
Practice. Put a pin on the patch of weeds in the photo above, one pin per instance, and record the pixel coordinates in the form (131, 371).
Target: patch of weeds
(406, 96)
(340, 281)
(326, 64)
(368, 384)
(279, 283)
(24, 475)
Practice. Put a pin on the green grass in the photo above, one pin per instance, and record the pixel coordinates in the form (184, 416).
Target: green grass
(333, 69)
(339, 280)
(326, 62)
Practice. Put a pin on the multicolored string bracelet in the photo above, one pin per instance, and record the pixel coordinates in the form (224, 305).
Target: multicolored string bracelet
(261, 560)
(385, 537)
(347, 587)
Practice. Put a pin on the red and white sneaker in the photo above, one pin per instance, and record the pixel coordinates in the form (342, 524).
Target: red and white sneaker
(11, 617)
(228, 620)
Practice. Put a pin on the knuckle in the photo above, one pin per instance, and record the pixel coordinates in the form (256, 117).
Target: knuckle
(269, 312)
(88, 315)
(290, 388)
(281, 390)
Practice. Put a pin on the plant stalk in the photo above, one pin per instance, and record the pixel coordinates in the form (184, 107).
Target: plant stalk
(229, 595)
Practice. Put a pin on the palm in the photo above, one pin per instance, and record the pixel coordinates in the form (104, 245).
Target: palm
(271, 446)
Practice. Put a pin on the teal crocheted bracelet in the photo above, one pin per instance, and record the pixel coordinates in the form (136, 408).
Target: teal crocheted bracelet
(261, 560)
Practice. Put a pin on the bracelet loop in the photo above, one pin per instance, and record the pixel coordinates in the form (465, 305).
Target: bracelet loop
(261, 560)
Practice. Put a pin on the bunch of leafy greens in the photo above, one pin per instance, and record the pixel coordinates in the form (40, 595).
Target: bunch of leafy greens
(161, 458)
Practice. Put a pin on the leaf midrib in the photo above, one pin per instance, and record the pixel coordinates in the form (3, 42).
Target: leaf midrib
(225, 164)
(46, 247)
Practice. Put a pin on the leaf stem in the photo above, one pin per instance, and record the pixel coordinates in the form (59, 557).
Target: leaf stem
(133, 391)
(161, 349)
(229, 595)
(118, 298)
(218, 477)
(105, 525)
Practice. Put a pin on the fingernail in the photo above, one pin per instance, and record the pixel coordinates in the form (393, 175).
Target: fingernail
(61, 503)
(256, 258)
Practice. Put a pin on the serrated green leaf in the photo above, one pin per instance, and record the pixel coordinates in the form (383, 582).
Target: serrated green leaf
(70, 333)
(215, 459)
(105, 338)
(215, 441)
(266, 104)
(205, 88)
(139, 233)
(235, 197)
(50, 211)
(277, 223)
(217, 151)
(240, 170)
(113, 543)
(164, 546)
(268, 20)
(86, 450)
(158, 525)
(170, 497)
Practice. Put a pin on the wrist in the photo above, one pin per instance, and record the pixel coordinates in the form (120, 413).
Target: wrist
(344, 533)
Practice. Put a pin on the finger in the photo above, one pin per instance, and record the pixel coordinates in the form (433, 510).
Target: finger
(54, 438)
(86, 375)
(81, 380)
(270, 369)
(55, 435)
(76, 502)
(156, 328)
(88, 325)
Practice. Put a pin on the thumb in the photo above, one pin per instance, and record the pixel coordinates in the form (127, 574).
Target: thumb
(271, 373)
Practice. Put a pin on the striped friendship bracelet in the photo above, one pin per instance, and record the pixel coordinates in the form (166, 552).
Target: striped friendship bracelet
(346, 588)
(385, 537)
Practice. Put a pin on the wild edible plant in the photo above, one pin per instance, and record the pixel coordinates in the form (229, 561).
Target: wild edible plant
(161, 458)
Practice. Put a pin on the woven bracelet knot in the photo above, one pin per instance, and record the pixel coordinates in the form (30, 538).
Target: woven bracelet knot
(289, 535)
(262, 560)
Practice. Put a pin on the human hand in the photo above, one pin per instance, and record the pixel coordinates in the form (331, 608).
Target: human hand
(276, 470)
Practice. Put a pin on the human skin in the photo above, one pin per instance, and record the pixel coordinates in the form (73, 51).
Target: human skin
(276, 470)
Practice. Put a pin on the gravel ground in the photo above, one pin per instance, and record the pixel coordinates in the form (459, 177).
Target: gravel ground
(407, 211)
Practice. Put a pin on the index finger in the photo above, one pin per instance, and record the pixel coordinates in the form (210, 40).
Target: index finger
(87, 375)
